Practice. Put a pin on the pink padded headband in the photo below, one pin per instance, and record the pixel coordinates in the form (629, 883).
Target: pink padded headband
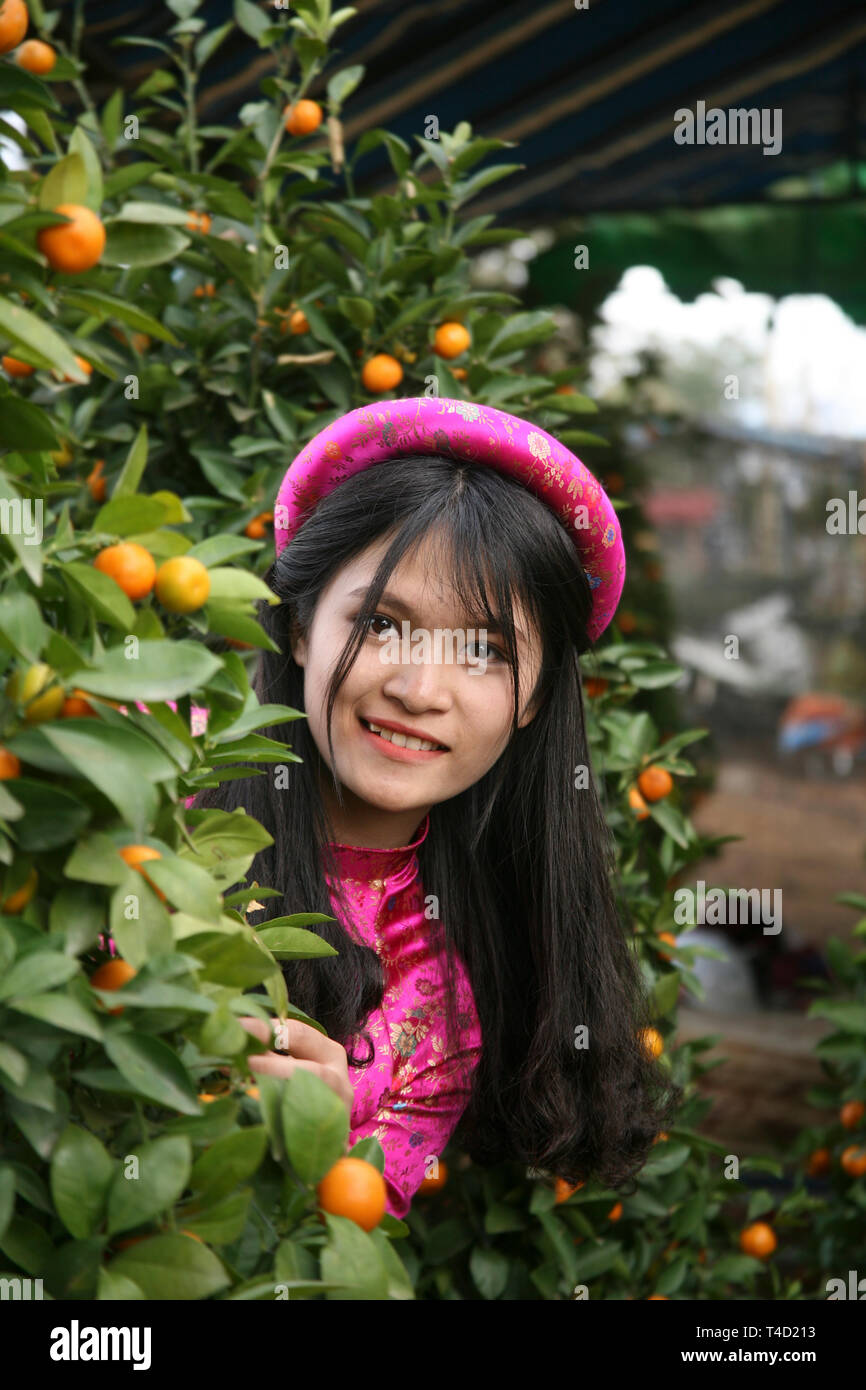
(478, 434)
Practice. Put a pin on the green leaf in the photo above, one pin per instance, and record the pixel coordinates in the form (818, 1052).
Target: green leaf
(21, 627)
(65, 182)
(315, 1125)
(519, 331)
(220, 1222)
(127, 514)
(207, 45)
(671, 1157)
(108, 306)
(238, 586)
(351, 1259)
(358, 311)
(489, 1269)
(25, 530)
(232, 960)
(844, 1014)
(52, 815)
(149, 932)
(156, 1181)
(187, 886)
(164, 214)
(250, 18)
(95, 859)
(28, 1246)
(216, 550)
(115, 1288)
(291, 943)
(24, 425)
(735, 1269)
(116, 761)
(61, 1011)
(7, 1197)
(130, 474)
(13, 1064)
(40, 970)
(672, 822)
(128, 175)
(567, 405)
(665, 993)
(655, 675)
(135, 244)
(110, 119)
(76, 917)
(155, 1071)
(162, 671)
(81, 1174)
(104, 595)
(229, 1162)
(343, 84)
(79, 144)
(239, 263)
(575, 438)
(228, 620)
(172, 1267)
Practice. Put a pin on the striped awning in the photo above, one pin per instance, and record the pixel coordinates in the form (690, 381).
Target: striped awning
(590, 96)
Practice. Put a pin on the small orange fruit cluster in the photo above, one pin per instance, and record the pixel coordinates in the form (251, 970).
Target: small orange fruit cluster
(181, 584)
(450, 339)
(13, 366)
(35, 56)
(758, 1240)
(434, 1184)
(74, 246)
(355, 1189)
(199, 222)
(255, 528)
(563, 1190)
(381, 373)
(303, 117)
(135, 856)
(95, 481)
(114, 974)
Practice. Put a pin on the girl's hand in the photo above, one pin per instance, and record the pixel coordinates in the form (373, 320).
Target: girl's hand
(309, 1049)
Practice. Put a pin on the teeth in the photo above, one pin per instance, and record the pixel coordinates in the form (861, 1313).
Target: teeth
(402, 740)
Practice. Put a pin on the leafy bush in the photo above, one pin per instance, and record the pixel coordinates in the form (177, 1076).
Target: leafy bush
(126, 1134)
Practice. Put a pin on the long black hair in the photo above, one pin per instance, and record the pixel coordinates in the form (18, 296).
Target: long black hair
(522, 863)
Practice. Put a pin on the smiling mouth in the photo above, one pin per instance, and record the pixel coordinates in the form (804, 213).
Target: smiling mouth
(402, 740)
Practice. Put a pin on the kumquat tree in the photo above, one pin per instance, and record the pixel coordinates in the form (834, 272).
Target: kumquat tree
(182, 307)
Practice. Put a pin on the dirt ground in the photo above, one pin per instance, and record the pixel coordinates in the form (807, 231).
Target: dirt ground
(806, 835)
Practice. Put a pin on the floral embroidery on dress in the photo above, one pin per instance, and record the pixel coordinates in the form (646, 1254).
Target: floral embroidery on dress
(413, 1092)
(464, 408)
(538, 446)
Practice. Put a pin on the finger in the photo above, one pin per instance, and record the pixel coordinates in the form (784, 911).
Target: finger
(258, 1028)
(271, 1064)
(308, 1043)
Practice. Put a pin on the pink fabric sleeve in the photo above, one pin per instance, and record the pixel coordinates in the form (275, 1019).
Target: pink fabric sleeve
(418, 1120)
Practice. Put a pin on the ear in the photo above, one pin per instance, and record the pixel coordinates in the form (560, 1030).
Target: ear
(298, 645)
(531, 711)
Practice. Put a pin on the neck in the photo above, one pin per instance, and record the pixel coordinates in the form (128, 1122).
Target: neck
(356, 822)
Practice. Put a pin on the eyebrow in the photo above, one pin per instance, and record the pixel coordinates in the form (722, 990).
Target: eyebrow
(395, 602)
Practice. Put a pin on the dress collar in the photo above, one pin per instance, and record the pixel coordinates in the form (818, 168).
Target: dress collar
(393, 868)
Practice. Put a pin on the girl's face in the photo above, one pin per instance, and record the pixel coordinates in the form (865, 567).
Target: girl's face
(388, 790)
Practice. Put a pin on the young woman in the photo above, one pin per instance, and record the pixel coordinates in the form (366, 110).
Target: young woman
(484, 987)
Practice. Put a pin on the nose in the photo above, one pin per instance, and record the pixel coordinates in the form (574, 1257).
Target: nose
(420, 685)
